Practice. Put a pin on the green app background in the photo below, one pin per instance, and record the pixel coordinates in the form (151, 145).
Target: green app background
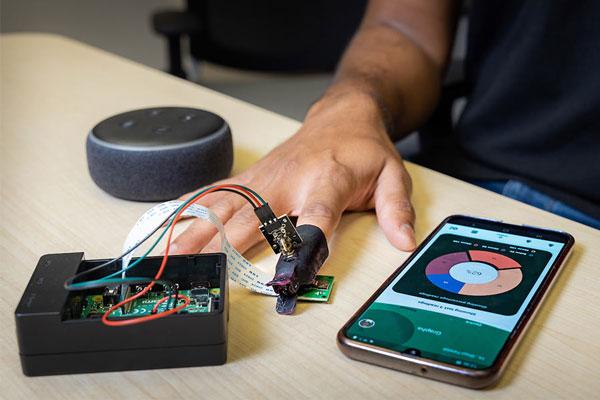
(437, 336)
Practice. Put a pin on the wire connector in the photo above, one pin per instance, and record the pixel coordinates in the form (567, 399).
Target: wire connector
(280, 232)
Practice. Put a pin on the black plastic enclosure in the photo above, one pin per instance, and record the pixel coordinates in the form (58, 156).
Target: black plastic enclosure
(51, 343)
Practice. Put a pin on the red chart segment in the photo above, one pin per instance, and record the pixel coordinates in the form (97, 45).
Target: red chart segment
(474, 273)
(497, 260)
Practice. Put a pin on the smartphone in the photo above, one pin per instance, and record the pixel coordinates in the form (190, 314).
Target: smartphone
(457, 308)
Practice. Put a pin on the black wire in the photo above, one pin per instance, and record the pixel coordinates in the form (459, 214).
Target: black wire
(241, 194)
(70, 281)
(176, 297)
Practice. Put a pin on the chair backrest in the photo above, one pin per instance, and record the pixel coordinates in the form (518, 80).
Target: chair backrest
(275, 35)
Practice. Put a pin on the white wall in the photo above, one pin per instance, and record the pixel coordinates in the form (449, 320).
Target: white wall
(123, 27)
(119, 26)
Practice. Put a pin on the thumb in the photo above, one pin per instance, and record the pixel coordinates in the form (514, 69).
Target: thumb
(395, 212)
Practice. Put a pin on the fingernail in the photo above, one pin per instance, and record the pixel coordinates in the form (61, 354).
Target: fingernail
(409, 233)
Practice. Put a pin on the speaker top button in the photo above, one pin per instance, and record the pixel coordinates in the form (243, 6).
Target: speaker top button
(161, 130)
(158, 127)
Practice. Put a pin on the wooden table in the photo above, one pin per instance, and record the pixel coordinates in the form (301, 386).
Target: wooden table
(55, 89)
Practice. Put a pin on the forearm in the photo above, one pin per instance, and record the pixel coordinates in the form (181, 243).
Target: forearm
(397, 67)
(386, 65)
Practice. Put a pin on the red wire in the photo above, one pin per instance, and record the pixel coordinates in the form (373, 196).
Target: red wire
(138, 320)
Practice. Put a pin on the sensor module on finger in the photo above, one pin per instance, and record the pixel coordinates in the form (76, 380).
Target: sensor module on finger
(295, 273)
(303, 252)
(278, 231)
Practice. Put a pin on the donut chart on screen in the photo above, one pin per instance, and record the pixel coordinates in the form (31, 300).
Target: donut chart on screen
(474, 273)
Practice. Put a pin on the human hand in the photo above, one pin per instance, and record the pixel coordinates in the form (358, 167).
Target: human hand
(340, 159)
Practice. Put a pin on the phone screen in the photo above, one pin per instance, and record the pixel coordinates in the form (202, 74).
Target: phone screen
(461, 296)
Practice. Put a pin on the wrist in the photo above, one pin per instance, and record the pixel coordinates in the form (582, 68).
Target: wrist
(353, 104)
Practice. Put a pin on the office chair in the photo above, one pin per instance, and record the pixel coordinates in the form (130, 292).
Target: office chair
(261, 35)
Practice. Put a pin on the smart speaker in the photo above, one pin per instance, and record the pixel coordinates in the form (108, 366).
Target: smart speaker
(158, 154)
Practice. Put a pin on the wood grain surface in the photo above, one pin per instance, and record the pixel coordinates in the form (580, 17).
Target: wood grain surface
(55, 89)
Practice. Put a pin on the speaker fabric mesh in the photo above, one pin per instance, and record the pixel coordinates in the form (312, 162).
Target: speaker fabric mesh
(152, 165)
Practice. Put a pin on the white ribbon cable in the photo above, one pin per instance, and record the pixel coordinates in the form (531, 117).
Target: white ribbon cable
(240, 270)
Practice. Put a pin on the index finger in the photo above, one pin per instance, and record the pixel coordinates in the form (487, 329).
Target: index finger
(323, 208)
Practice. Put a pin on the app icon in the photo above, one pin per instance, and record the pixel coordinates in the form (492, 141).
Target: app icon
(366, 323)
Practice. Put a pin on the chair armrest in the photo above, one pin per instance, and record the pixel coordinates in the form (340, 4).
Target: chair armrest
(176, 23)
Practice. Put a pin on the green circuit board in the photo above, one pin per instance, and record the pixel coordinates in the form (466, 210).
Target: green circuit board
(93, 306)
(319, 291)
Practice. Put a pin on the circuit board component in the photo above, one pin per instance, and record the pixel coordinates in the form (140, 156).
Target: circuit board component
(200, 293)
(319, 291)
(280, 232)
(111, 295)
(94, 306)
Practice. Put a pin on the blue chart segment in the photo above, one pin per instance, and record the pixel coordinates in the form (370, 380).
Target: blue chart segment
(474, 273)
(446, 282)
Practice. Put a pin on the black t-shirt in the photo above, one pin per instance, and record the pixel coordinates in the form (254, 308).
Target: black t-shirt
(533, 111)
